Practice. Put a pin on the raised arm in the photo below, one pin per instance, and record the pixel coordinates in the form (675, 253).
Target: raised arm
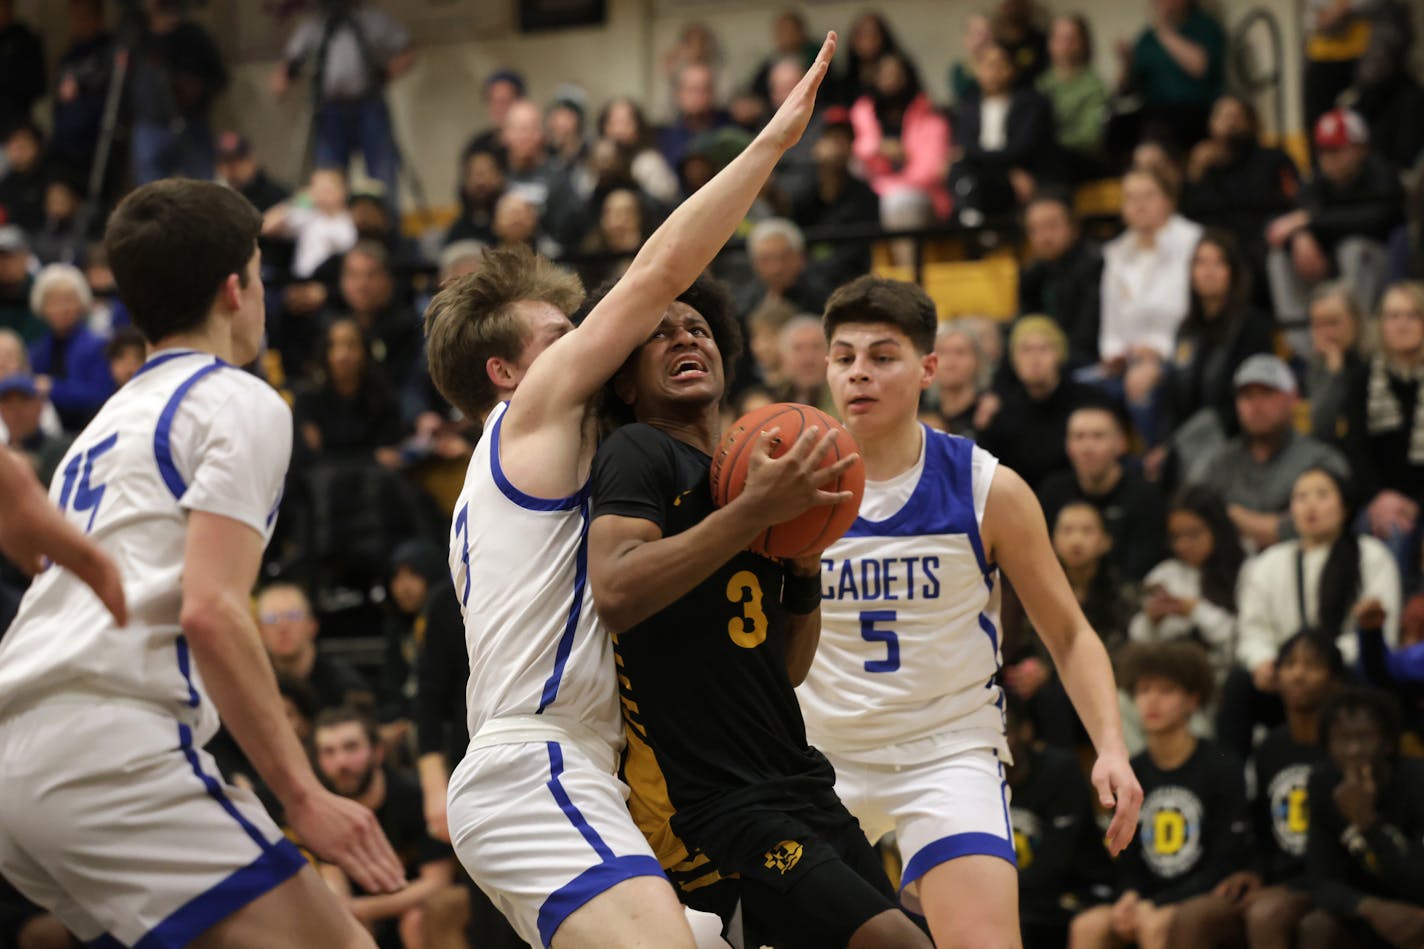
(1016, 538)
(558, 387)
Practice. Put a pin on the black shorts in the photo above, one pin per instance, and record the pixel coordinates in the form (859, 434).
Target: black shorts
(808, 879)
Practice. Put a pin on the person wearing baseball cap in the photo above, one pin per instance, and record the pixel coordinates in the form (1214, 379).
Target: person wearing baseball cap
(1346, 213)
(238, 169)
(1255, 471)
(21, 409)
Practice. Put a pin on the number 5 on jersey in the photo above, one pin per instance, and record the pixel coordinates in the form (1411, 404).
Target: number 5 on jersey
(869, 633)
(85, 495)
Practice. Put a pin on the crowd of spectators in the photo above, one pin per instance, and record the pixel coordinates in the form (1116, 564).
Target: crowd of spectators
(1217, 397)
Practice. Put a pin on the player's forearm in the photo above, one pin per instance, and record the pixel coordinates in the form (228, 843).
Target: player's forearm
(434, 775)
(693, 234)
(239, 678)
(803, 636)
(642, 578)
(369, 909)
(1087, 675)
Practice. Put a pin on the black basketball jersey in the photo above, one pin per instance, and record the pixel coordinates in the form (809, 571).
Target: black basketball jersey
(711, 717)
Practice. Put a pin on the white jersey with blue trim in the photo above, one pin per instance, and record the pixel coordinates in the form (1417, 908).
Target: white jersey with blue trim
(188, 432)
(909, 651)
(520, 566)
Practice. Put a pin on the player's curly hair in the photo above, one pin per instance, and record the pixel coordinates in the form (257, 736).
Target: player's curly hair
(712, 299)
(473, 318)
(1181, 662)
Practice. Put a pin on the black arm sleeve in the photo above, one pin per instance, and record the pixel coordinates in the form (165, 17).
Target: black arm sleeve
(635, 475)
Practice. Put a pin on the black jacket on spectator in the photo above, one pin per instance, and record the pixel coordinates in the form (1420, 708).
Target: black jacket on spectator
(1132, 512)
(854, 206)
(1329, 395)
(1056, 838)
(263, 192)
(1028, 435)
(402, 818)
(22, 72)
(1392, 109)
(334, 684)
(980, 178)
(22, 197)
(90, 65)
(176, 75)
(1206, 360)
(1192, 831)
(1243, 194)
(1371, 205)
(808, 294)
(1388, 862)
(441, 722)
(1380, 460)
(349, 427)
(1068, 290)
(1028, 136)
(1280, 811)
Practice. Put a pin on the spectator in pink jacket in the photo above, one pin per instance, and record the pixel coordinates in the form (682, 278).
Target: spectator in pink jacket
(902, 142)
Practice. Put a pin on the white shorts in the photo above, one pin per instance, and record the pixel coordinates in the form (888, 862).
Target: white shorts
(112, 820)
(542, 829)
(952, 807)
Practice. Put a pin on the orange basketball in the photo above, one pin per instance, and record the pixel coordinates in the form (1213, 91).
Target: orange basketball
(817, 528)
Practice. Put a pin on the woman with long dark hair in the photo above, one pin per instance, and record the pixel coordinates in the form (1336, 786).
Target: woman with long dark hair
(1192, 595)
(870, 38)
(1315, 580)
(1220, 332)
(351, 412)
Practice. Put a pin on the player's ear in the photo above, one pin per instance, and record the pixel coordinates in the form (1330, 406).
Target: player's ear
(929, 365)
(231, 292)
(500, 372)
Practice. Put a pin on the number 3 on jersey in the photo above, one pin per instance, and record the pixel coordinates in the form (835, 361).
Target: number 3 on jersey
(84, 495)
(747, 630)
(870, 634)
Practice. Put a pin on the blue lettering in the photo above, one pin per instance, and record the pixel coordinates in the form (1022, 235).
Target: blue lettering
(847, 589)
(828, 566)
(868, 567)
(890, 578)
(909, 563)
(931, 588)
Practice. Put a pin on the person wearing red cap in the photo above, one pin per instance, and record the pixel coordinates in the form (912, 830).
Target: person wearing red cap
(1345, 214)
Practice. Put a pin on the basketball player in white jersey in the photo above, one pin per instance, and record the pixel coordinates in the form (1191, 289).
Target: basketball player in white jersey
(31, 531)
(536, 812)
(112, 816)
(902, 695)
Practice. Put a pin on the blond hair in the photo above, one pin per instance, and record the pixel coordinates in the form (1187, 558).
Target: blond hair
(473, 318)
(1039, 325)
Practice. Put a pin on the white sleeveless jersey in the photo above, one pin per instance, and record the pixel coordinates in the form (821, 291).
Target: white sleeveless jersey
(188, 432)
(520, 566)
(909, 646)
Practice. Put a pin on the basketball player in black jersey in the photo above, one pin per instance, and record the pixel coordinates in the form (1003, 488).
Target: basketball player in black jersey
(710, 640)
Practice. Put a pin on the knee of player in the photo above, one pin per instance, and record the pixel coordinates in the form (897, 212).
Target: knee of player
(1090, 928)
(1318, 930)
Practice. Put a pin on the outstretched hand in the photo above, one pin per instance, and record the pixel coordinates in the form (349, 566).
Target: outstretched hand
(783, 488)
(790, 121)
(1117, 788)
(31, 530)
